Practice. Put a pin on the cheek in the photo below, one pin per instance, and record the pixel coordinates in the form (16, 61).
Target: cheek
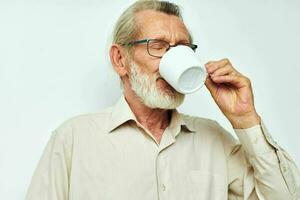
(147, 63)
(151, 65)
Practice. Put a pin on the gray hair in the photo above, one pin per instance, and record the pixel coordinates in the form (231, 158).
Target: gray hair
(126, 29)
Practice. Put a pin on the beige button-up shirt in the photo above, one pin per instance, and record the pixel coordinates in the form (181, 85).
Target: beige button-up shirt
(110, 156)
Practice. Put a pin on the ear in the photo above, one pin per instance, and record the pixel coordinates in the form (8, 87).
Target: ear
(118, 59)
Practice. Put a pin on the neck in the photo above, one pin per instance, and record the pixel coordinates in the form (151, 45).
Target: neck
(155, 120)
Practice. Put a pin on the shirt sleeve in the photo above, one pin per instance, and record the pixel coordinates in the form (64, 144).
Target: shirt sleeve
(268, 172)
(51, 177)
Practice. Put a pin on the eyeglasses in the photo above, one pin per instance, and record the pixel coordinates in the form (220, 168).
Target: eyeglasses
(157, 48)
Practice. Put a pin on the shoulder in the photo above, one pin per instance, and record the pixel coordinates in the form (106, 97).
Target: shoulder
(83, 122)
(210, 129)
(200, 124)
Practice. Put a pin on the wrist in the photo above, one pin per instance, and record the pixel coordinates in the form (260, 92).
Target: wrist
(246, 121)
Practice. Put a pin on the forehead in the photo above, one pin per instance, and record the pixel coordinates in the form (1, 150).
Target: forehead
(154, 24)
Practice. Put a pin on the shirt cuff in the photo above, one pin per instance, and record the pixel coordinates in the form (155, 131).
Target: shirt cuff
(253, 140)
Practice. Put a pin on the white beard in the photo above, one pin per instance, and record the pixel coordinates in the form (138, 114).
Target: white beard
(145, 87)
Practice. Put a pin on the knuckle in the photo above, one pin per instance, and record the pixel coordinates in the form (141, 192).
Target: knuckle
(247, 80)
(226, 60)
(229, 67)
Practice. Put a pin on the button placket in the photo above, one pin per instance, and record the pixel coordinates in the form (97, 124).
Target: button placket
(162, 175)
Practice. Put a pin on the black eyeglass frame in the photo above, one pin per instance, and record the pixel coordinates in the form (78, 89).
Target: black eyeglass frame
(192, 46)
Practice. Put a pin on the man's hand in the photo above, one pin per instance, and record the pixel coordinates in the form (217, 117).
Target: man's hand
(233, 93)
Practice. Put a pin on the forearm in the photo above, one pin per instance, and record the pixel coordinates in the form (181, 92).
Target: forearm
(274, 174)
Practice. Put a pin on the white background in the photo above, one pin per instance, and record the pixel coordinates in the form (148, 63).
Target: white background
(54, 65)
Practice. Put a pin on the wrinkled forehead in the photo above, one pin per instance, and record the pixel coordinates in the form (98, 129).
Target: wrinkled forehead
(158, 25)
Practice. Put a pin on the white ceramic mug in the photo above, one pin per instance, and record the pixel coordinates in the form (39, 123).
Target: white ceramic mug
(182, 70)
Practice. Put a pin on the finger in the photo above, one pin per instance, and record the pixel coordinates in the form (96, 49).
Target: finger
(227, 69)
(211, 86)
(214, 65)
(232, 79)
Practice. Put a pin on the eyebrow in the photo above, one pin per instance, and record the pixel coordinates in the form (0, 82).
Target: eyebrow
(162, 37)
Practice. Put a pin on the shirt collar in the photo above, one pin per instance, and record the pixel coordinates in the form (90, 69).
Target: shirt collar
(178, 123)
(122, 113)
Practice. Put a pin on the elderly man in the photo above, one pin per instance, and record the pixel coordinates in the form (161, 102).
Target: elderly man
(143, 149)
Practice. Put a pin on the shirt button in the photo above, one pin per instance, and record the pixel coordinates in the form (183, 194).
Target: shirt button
(163, 187)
